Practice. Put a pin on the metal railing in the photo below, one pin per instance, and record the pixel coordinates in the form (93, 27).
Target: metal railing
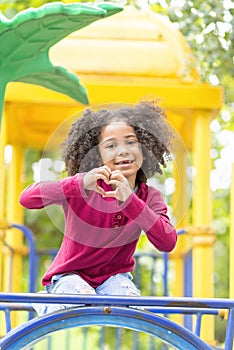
(153, 264)
(142, 314)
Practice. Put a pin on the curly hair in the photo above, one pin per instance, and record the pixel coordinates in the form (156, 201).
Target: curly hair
(147, 118)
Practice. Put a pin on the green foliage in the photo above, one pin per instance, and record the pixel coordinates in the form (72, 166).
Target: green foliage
(97, 338)
(208, 28)
(221, 222)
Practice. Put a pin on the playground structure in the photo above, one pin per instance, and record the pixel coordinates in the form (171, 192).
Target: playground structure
(122, 59)
(143, 314)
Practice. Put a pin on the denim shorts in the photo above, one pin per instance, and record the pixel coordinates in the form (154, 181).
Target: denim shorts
(120, 284)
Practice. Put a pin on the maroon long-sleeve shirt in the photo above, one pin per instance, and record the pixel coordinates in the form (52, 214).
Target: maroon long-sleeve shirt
(101, 234)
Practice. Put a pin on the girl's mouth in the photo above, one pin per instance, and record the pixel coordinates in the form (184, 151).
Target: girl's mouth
(124, 162)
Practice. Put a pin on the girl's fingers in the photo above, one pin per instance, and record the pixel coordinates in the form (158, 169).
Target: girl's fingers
(117, 175)
(103, 173)
(110, 194)
(119, 182)
(115, 183)
(102, 177)
(100, 190)
(105, 170)
(121, 187)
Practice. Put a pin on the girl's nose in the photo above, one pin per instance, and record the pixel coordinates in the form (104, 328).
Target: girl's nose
(122, 149)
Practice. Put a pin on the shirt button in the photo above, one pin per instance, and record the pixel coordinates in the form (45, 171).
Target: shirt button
(119, 216)
(116, 225)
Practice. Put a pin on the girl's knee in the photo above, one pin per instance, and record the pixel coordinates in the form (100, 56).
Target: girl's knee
(84, 288)
(72, 284)
(129, 289)
(119, 284)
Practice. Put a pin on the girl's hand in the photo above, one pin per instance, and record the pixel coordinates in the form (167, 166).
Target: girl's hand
(91, 178)
(121, 187)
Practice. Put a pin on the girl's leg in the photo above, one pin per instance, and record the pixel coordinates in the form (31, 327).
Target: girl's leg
(66, 284)
(120, 284)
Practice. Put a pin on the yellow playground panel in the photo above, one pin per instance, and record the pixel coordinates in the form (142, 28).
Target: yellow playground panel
(133, 55)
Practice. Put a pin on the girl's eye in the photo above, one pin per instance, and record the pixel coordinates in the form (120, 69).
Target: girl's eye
(110, 146)
(131, 142)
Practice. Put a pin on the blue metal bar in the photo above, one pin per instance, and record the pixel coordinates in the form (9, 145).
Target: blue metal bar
(7, 319)
(9, 284)
(8, 307)
(168, 331)
(15, 307)
(230, 331)
(153, 304)
(216, 303)
(188, 281)
(181, 231)
(32, 253)
(188, 285)
(165, 272)
(50, 252)
(182, 310)
(198, 323)
(156, 309)
(32, 259)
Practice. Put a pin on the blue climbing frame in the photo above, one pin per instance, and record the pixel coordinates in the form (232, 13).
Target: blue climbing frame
(136, 313)
(140, 314)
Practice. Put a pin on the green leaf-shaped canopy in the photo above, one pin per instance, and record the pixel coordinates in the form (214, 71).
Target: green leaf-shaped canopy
(25, 41)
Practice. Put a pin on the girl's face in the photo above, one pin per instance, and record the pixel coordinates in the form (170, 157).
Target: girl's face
(120, 150)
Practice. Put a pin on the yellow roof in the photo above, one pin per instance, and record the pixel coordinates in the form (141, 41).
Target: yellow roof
(133, 42)
(132, 55)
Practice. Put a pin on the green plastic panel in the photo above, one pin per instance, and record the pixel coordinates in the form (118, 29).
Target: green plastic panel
(26, 39)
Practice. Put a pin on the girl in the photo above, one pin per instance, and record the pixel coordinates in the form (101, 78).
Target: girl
(109, 154)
